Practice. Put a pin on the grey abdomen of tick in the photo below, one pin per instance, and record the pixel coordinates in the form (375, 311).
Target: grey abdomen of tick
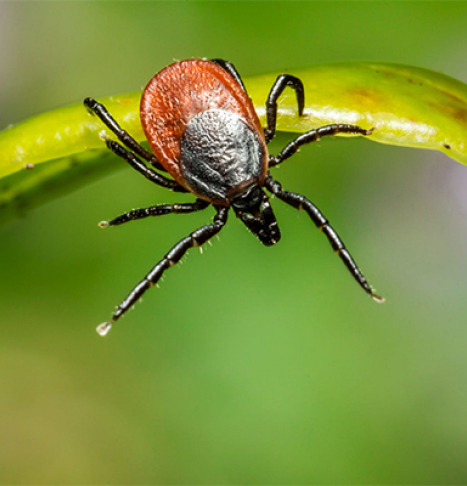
(220, 155)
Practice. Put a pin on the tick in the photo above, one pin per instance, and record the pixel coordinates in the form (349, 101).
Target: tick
(204, 132)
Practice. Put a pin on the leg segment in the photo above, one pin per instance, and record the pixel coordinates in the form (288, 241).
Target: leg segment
(106, 118)
(278, 87)
(230, 68)
(150, 174)
(313, 136)
(197, 238)
(300, 202)
(159, 210)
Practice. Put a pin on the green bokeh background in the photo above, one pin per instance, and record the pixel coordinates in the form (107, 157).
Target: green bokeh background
(249, 365)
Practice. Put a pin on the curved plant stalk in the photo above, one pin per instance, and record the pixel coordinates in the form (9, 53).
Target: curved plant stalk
(20, 192)
(407, 106)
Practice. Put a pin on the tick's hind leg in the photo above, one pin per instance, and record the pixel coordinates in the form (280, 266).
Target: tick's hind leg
(197, 238)
(230, 68)
(301, 202)
(149, 173)
(278, 87)
(107, 119)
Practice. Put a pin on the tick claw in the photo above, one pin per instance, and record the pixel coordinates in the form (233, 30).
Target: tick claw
(378, 299)
(104, 328)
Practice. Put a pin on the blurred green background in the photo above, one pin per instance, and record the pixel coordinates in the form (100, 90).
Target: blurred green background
(249, 365)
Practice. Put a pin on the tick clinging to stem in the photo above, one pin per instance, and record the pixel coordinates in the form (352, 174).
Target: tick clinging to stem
(204, 132)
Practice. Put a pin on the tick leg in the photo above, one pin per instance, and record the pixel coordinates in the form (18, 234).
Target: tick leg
(230, 68)
(278, 87)
(141, 167)
(124, 137)
(159, 210)
(300, 202)
(197, 238)
(313, 136)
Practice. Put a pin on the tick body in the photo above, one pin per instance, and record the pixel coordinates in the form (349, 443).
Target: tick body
(204, 132)
(203, 129)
